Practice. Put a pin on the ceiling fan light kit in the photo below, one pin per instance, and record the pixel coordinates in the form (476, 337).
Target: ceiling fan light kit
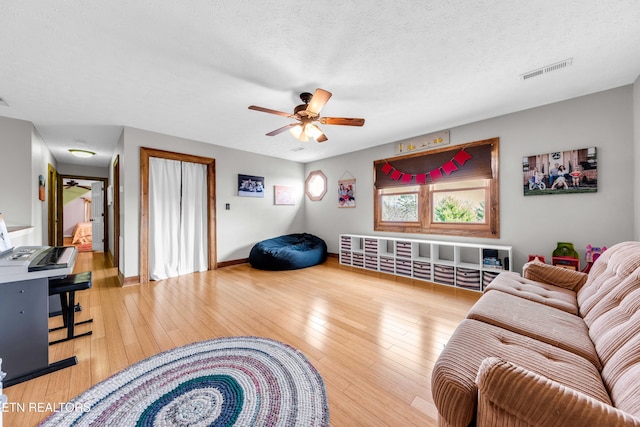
(85, 154)
(306, 114)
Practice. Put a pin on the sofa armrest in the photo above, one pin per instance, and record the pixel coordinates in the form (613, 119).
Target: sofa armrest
(511, 395)
(552, 275)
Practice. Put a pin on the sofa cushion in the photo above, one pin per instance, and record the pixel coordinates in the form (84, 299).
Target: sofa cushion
(505, 393)
(621, 375)
(453, 378)
(562, 277)
(614, 274)
(548, 324)
(554, 296)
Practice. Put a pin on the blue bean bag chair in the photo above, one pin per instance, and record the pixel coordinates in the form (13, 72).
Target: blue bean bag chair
(288, 252)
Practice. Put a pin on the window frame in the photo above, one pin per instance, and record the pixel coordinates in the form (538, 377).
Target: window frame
(307, 182)
(425, 224)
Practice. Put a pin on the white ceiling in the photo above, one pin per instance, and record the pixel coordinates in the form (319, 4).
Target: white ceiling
(81, 70)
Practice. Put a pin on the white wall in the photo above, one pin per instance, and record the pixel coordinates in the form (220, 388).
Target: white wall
(15, 174)
(248, 221)
(530, 224)
(41, 157)
(636, 139)
(111, 214)
(25, 156)
(80, 170)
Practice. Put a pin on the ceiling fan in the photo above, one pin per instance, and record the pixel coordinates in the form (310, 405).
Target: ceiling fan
(72, 183)
(308, 113)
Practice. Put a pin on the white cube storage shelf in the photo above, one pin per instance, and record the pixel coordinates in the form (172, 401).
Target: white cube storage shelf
(447, 263)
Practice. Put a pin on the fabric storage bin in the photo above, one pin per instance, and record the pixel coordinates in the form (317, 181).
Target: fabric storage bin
(422, 270)
(371, 246)
(443, 274)
(387, 264)
(358, 260)
(403, 267)
(371, 262)
(487, 277)
(345, 242)
(403, 249)
(345, 257)
(468, 278)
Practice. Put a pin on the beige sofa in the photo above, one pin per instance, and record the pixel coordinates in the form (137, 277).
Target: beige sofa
(554, 347)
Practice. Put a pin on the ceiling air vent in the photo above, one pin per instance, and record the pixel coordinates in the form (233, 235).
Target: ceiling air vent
(547, 69)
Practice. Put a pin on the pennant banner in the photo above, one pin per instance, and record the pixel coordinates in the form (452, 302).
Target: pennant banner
(462, 157)
(449, 167)
(435, 174)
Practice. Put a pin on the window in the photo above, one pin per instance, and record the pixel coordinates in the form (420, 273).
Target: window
(315, 186)
(400, 206)
(462, 201)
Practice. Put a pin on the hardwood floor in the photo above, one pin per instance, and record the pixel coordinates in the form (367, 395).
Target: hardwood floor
(374, 338)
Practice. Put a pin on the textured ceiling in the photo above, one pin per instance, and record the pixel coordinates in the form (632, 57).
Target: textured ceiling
(81, 70)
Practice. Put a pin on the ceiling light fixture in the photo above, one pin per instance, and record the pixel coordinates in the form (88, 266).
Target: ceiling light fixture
(302, 132)
(85, 154)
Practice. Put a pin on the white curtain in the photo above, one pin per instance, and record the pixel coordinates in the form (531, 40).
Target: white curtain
(193, 248)
(177, 218)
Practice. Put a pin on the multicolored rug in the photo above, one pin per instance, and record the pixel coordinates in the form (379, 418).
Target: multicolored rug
(234, 381)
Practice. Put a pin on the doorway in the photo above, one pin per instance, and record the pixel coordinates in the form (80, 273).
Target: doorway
(115, 194)
(145, 155)
(82, 214)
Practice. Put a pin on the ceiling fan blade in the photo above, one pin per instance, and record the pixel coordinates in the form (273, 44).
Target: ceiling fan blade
(322, 138)
(270, 111)
(343, 121)
(282, 129)
(320, 97)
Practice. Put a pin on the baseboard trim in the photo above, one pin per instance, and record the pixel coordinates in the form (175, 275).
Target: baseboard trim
(135, 280)
(128, 281)
(232, 262)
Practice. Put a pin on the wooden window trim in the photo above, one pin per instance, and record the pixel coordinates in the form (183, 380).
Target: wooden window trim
(491, 229)
(312, 175)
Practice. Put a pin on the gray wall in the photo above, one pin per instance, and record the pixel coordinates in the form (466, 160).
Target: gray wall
(15, 173)
(248, 221)
(532, 225)
(81, 170)
(609, 120)
(636, 138)
(25, 156)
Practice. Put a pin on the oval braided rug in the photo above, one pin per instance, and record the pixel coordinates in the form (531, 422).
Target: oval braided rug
(241, 381)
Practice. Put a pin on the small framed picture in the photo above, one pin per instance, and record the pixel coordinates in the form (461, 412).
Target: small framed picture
(347, 193)
(250, 186)
(41, 188)
(283, 195)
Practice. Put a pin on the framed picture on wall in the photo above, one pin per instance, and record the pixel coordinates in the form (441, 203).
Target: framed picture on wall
(560, 172)
(41, 188)
(250, 186)
(283, 195)
(347, 193)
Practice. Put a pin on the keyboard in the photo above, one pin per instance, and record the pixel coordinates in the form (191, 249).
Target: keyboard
(51, 258)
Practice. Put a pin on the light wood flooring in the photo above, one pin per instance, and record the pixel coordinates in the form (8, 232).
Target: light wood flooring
(374, 338)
